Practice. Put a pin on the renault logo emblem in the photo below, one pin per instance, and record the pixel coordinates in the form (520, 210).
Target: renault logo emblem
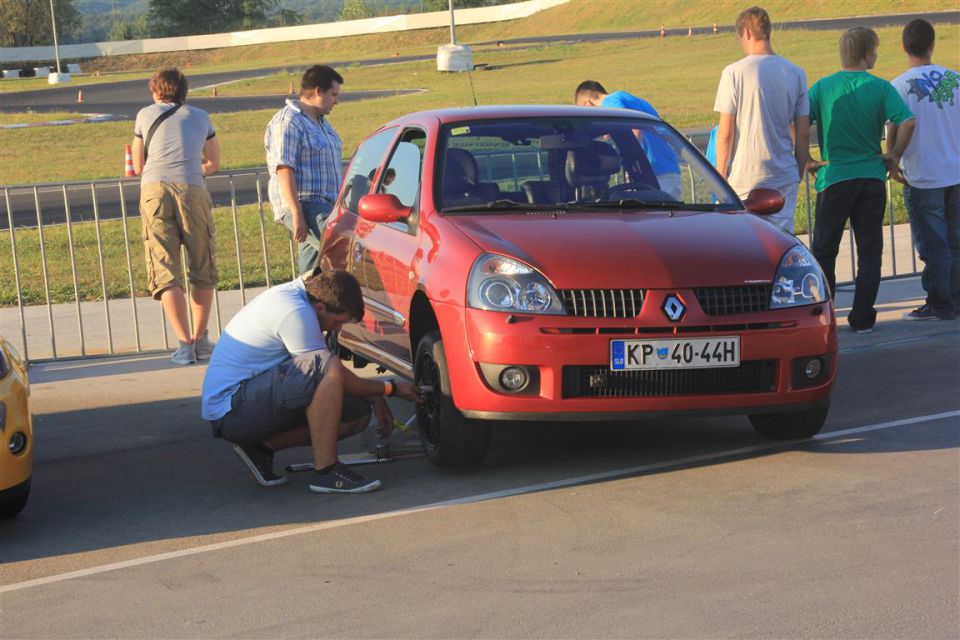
(673, 308)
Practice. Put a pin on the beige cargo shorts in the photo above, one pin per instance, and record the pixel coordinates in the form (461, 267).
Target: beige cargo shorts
(175, 215)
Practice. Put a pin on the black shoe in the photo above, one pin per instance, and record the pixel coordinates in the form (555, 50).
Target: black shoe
(259, 459)
(342, 479)
(921, 313)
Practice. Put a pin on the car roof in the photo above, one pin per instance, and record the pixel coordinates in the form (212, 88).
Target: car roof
(516, 111)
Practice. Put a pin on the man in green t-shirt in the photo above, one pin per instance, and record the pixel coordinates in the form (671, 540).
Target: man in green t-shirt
(850, 108)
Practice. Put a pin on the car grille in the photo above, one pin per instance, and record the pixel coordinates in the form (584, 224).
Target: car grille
(752, 376)
(602, 303)
(725, 301)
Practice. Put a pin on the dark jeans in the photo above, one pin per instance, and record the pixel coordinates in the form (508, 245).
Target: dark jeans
(862, 201)
(315, 212)
(935, 222)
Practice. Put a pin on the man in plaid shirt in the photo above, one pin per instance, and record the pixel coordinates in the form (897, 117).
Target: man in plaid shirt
(305, 162)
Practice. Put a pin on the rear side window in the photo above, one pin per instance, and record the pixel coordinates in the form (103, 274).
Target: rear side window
(363, 168)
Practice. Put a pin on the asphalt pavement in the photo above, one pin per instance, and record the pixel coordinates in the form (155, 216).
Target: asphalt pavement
(142, 525)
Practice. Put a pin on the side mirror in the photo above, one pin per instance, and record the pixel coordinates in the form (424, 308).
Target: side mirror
(383, 207)
(764, 202)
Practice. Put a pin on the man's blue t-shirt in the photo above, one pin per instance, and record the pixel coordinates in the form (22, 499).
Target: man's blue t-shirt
(277, 324)
(661, 155)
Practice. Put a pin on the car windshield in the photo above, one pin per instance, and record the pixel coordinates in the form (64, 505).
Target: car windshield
(578, 162)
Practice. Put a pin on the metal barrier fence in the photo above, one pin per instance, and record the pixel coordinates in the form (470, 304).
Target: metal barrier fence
(86, 259)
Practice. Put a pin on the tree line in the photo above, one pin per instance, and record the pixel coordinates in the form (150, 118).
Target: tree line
(27, 23)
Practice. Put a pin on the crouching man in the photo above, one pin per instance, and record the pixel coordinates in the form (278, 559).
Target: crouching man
(272, 383)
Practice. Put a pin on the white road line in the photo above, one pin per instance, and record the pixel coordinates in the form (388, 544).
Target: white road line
(505, 493)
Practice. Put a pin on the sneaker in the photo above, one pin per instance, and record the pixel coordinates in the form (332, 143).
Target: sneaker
(185, 354)
(862, 329)
(921, 313)
(203, 347)
(259, 460)
(342, 479)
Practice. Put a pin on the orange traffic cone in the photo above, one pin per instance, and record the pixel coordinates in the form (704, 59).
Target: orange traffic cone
(290, 89)
(79, 96)
(214, 91)
(128, 162)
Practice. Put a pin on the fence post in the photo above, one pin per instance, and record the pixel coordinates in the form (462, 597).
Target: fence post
(103, 273)
(236, 240)
(73, 270)
(126, 248)
(46, 276)
(16, 273)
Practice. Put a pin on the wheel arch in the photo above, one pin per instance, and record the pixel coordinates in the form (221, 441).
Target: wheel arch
(422, 319)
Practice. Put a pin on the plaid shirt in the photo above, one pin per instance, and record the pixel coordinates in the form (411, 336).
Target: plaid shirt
(312, 150)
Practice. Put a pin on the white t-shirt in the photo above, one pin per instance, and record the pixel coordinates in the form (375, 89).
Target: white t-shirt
(766, 93)
(932, 159)
(276, 325)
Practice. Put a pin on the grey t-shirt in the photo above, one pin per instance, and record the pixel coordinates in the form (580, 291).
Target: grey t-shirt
(766, 93)
(176, 148)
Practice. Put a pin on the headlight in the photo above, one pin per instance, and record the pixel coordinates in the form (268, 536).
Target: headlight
(798, 281)
(498, 283)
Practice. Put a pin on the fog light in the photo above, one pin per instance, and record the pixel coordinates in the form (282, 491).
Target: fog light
(18, 442)
(813, 368)
(514, 378)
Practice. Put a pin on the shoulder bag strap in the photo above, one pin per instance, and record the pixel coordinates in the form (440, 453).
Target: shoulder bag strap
(156, 123)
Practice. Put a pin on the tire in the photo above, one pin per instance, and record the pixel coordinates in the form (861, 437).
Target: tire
(448, 438)
(12, 505)
(792, 425)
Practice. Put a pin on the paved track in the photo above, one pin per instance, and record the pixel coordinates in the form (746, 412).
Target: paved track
(141, 525)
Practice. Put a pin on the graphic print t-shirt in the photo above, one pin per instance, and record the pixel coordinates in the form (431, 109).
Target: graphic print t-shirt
(932, 159)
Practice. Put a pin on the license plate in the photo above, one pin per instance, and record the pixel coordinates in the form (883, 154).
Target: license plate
(692, 353)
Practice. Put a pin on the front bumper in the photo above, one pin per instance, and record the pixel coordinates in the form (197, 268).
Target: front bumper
(557, 345)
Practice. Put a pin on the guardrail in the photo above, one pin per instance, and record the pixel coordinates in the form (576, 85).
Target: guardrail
(74, 288)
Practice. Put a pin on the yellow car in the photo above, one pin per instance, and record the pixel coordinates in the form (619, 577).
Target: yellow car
(16, 432)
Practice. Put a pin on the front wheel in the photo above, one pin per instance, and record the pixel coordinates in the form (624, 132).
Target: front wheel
(792, 425)
(448, 438)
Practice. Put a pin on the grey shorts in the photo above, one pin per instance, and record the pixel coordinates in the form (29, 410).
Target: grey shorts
(277, 400)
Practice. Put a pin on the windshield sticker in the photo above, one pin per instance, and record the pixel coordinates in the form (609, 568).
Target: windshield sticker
(459, 131)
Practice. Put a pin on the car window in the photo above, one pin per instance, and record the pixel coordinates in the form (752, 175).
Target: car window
(402, 176)
(363, 168)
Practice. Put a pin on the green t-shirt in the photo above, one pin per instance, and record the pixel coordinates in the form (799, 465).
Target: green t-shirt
(850, 109)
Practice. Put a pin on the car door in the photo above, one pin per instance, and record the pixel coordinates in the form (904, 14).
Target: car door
(342, 248)
(387, 252)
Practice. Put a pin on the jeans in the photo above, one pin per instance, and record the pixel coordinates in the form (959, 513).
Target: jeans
(935, 223)
(315, 212)
(862, 201)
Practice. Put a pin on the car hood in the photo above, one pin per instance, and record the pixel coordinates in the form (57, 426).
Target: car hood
(649, 249)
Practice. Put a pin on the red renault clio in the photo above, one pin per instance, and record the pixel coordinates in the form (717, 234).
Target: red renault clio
(561, 263)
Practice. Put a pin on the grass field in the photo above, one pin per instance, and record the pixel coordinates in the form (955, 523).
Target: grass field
(678, 76)
(577, 16)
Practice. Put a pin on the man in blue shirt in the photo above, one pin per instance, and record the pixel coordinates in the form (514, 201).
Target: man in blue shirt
(304, 156)
(661, 155)
(272, 383)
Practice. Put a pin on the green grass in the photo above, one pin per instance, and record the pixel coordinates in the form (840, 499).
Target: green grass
(577, 16)
(679, 76)
(57, 248)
